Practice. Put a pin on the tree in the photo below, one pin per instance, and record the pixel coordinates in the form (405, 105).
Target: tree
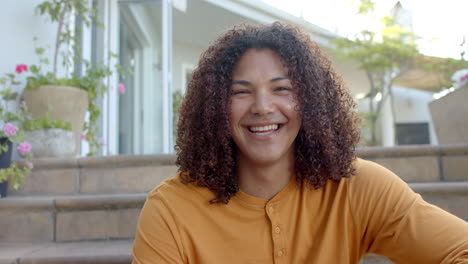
(384, 56)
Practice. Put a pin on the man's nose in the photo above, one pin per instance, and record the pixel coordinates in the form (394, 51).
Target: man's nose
(263, 104)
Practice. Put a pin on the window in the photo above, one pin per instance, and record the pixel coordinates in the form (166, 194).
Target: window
(412, 133)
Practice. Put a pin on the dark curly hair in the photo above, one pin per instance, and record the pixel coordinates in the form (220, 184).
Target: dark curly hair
(325, 145)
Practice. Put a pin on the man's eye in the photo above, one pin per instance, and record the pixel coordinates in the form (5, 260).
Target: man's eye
(282, 89)
(240, 92)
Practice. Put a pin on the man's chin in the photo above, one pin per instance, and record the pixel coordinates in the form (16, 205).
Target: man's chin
(264, 159)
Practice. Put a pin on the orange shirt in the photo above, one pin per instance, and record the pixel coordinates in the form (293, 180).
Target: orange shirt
(371, 212)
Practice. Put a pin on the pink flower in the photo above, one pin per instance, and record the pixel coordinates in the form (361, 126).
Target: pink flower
(464, 77)
(101, 141)
(10, 129)
(82, 136)
(23, 102)
(23, 148)
(30, 165)
(21, 68)
(121, 88)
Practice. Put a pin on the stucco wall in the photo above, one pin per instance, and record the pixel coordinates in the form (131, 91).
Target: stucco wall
(184, 55)
(411, 106)
(18, 26)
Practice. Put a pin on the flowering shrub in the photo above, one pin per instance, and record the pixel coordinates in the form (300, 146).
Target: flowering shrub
(23, 148)
(464, 78)
(12, 131)
(92, 79)
(121, 88)
(21, 68)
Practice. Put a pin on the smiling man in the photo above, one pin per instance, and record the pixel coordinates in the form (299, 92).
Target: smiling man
(264, 122)
(268, 173)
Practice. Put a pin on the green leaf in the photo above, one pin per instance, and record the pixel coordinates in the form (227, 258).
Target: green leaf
(11, 96)
(34, 69)
(39, 51)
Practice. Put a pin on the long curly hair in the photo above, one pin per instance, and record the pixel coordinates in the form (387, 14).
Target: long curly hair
(325, 145)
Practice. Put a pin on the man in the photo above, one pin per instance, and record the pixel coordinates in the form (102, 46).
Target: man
(268, 174)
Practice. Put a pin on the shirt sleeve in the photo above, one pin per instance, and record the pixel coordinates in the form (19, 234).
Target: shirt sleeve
(157, 238)
(395, 222)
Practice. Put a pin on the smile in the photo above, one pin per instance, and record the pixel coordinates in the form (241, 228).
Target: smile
(264, 130)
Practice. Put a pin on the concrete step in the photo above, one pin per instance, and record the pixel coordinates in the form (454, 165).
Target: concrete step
(127, 174)
(97, 175)
(105, 252)
(422, 163)
(375, 259)
(114, 216)
(69, 218)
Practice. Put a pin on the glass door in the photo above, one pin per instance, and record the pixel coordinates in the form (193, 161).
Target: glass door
(141, 109)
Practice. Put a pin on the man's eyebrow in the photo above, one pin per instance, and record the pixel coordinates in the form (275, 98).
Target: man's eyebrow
(279, 78)
(244, 82)
(241, 82)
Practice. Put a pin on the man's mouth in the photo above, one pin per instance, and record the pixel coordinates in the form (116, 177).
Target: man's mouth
(264, 130)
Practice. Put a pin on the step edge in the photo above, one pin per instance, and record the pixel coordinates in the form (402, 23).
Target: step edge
(74, 202)
(412, 151)
(116, 161)
(119, 258)
(440, 188)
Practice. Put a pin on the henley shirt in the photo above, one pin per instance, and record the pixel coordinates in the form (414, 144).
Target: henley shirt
(373, 211)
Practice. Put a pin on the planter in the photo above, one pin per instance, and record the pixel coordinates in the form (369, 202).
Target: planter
(59, 102)
(450, 117)
(3, 189)
(51, 143)
(5, 162)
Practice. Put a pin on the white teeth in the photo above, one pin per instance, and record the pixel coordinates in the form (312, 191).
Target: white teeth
(264, 128)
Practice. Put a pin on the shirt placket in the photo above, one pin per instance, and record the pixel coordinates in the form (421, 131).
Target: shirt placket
(277, 233)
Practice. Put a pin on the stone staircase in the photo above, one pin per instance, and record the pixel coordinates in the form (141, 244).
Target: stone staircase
(85, 210)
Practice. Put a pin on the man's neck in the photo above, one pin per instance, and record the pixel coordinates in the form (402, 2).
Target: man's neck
(265, 181)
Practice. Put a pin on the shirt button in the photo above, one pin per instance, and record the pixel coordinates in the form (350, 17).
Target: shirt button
(270, 209)
(279, 253)
(277, 230)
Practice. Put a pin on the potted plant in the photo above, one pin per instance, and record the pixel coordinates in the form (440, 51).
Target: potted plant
(49, 138)
(67, 97)
(12, 174)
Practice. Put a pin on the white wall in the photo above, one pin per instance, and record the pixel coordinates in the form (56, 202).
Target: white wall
(183, 54)
(355, 79)
(18, 26)
(411, 106)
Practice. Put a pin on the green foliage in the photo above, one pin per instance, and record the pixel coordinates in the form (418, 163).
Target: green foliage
(61, 12)
(14, 175)
(386, 54)
(16, 116)
(7, 95)
(366, 6)
(177, 98)
(383, 55)
(92, 81)
(392, 49)
(46, 123)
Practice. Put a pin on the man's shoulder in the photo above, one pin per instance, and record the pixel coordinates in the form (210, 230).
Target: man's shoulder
(174, 192)
(371, 173)
(373, 180)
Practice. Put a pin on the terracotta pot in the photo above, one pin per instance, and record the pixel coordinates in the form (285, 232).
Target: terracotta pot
(59, 102)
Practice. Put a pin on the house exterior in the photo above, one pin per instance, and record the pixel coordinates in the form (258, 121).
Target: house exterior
(161, 42)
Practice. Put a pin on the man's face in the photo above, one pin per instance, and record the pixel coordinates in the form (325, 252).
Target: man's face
(263, 117)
